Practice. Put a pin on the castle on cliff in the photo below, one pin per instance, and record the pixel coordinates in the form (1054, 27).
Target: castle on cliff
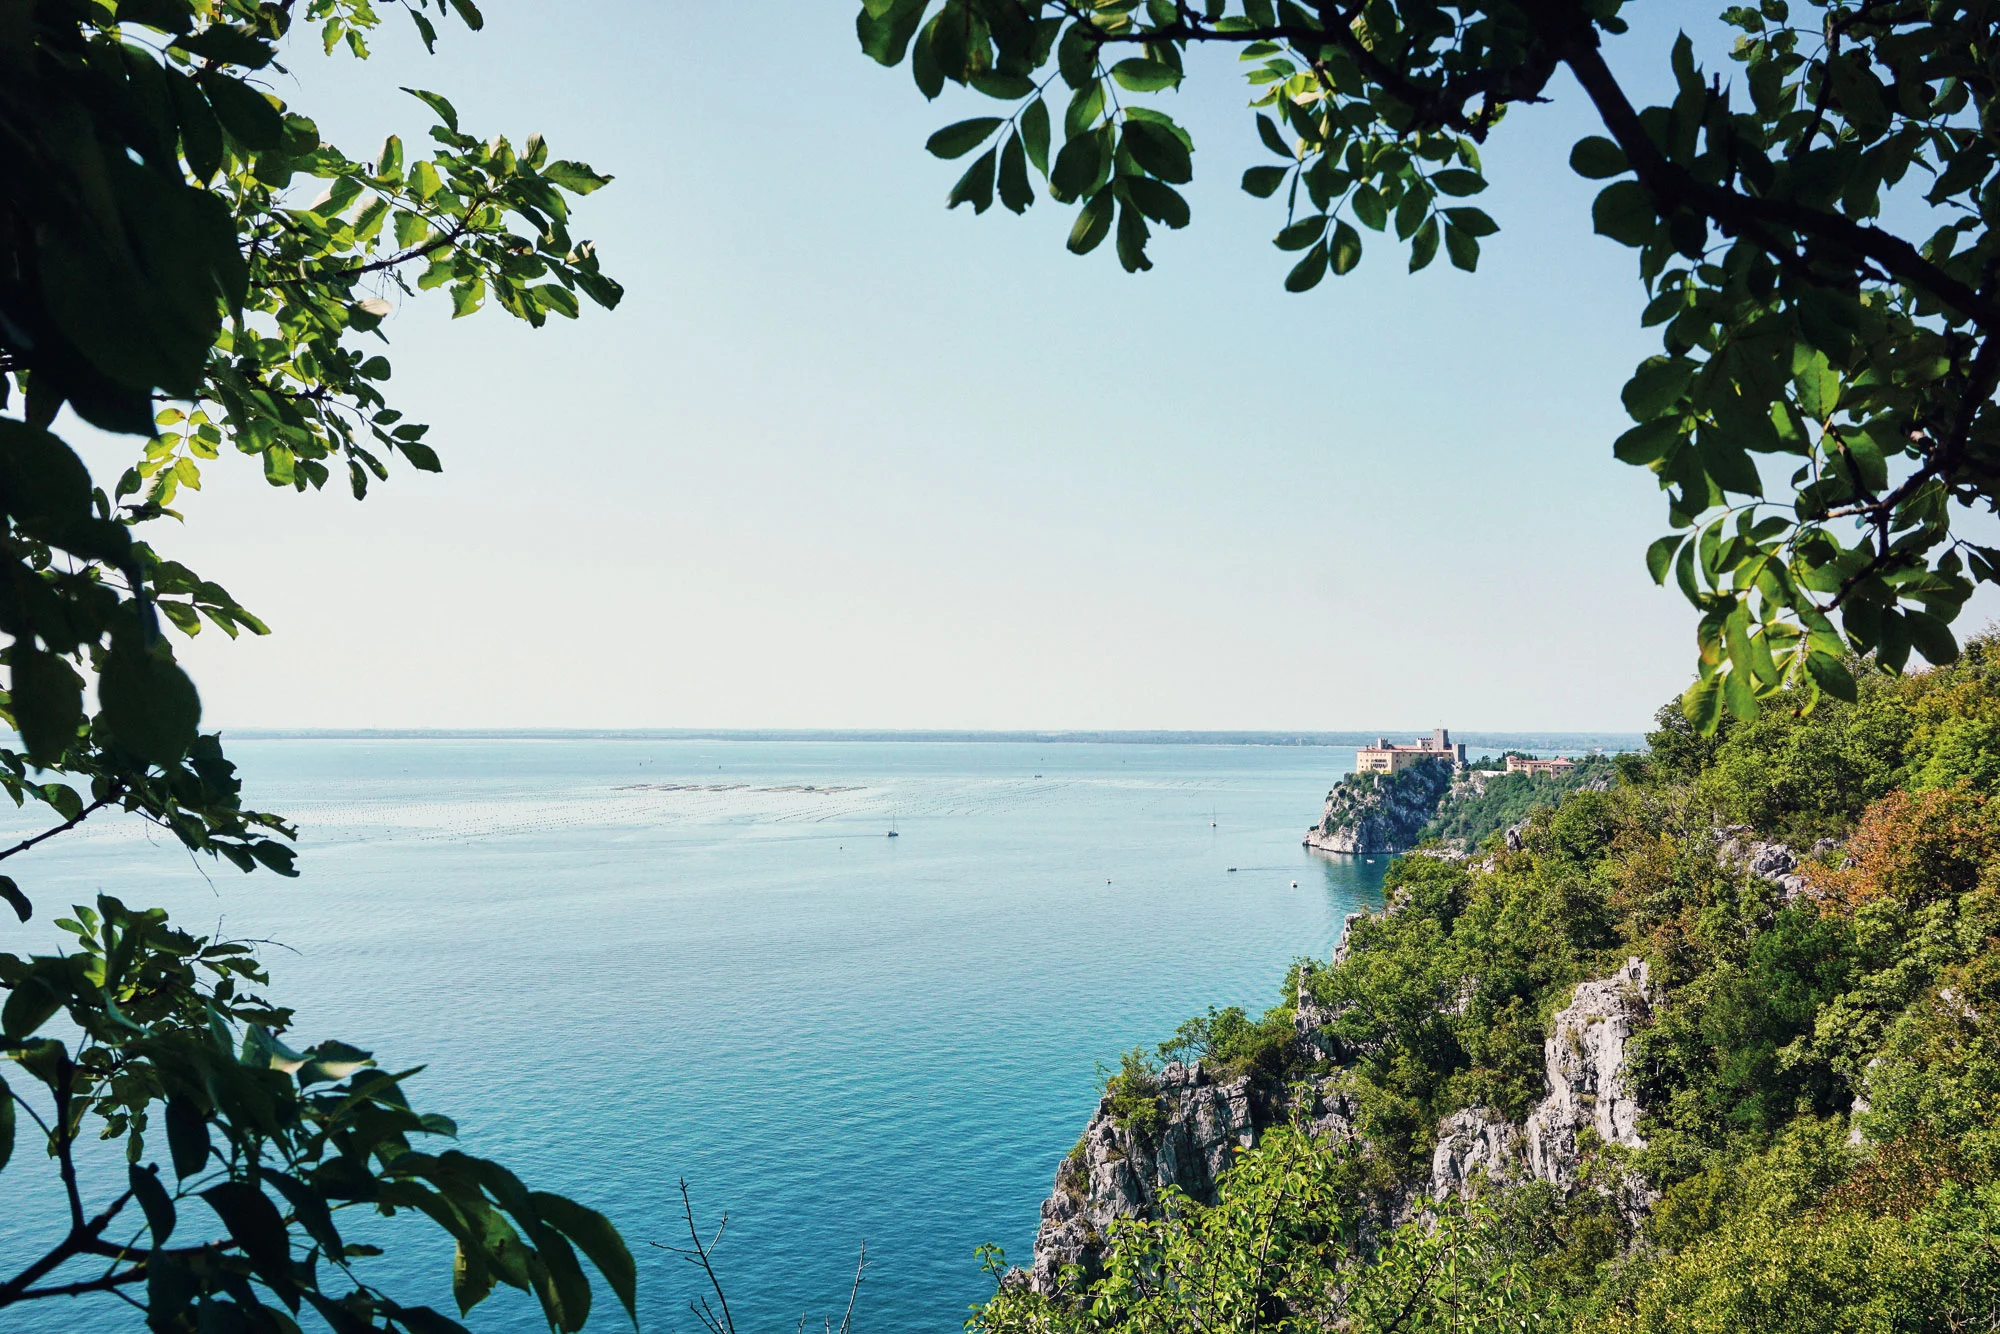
(1385, 758)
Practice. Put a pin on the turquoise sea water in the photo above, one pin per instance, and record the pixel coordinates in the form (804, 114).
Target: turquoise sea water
(633, 960)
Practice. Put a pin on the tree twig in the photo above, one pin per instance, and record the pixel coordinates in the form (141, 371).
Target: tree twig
(64, 827)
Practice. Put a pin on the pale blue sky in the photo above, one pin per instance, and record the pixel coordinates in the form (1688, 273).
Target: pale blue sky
(844, 458)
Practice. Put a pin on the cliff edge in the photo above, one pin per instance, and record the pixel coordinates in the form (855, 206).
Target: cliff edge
(1121, 1170)
(1373, 812)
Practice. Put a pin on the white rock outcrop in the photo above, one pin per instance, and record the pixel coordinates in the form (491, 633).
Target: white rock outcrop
(1585, 1054)
(1475, 1147)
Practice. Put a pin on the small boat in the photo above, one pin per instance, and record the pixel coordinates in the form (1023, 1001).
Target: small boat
(1295, 884)
(1232, 868)
(892, 828)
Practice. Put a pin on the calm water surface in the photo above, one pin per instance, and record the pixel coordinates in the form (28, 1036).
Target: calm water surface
(629, 961)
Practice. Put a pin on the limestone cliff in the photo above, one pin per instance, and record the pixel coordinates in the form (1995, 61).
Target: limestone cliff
(1585, 1056)
(1371, 812)
(1119, 1171)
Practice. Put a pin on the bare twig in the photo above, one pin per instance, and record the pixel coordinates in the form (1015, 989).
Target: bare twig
(64, 827)
(697, 1254)
(847, 1319)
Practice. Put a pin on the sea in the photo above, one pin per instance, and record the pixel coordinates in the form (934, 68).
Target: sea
(628, 962)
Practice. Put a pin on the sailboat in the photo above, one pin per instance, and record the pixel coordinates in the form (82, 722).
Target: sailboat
(892, 828)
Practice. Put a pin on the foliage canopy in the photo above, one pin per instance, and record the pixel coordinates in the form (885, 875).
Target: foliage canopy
(164, 275)
(1811, 227)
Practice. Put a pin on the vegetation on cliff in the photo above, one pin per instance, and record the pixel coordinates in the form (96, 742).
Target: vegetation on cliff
(1819, 1065)
(1477, 807)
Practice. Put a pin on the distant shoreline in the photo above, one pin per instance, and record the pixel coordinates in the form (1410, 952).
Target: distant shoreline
(1580, 741)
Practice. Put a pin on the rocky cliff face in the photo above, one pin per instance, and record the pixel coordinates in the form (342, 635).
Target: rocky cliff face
(1121, 1172)
(1118, 1172)
(1380, 812)
(1585, 1056)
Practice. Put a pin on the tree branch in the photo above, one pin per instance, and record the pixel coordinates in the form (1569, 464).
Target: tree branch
(1738, 214)
(64, 827)
(1443, 106)
(106, 1283)
(80, 1241)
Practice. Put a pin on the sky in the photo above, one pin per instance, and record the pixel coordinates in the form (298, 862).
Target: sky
(844, 458)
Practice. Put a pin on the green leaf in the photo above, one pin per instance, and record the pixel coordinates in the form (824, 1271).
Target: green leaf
(597, 1239)
(1306, 274)
(46, 700)
(1159, 150)
(1267, 130)
(1411, 212)
(153, 1200)
(6, 1119)
(1015, 192)
(1660, 557)
(1035, 134)
(1458, 181)
(420, 455)
(244, 112)
(16, 900)
(187, 1136)
(1930, 636)
(1597, 158)
(1345, 250)
(1078, 166)
(1370, 207)
(444, 109)
(1263, 182)
(1702, 705)
(1647, 443)
(1093, 223)
(1658, 384)
(1162, 203)
(1462, 248)
(1145, 76)
(1424, 246)
(1740, 694)
(975, 187)
(33, 1001)
(1831, 675)
(1132, 234)
(1817, 383)
(254, 1224)
(148, 702)
(1076, 54)
(1301, 234)
(201, 133)
(1624, 211)
(221, 44)
(885, 31)
(310, 1209)
(1471, 221)
(467, 297)
(1859, 92)
(1004, 87)
(958, 140)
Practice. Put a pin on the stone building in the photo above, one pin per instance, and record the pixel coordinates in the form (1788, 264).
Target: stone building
(1385, 758)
